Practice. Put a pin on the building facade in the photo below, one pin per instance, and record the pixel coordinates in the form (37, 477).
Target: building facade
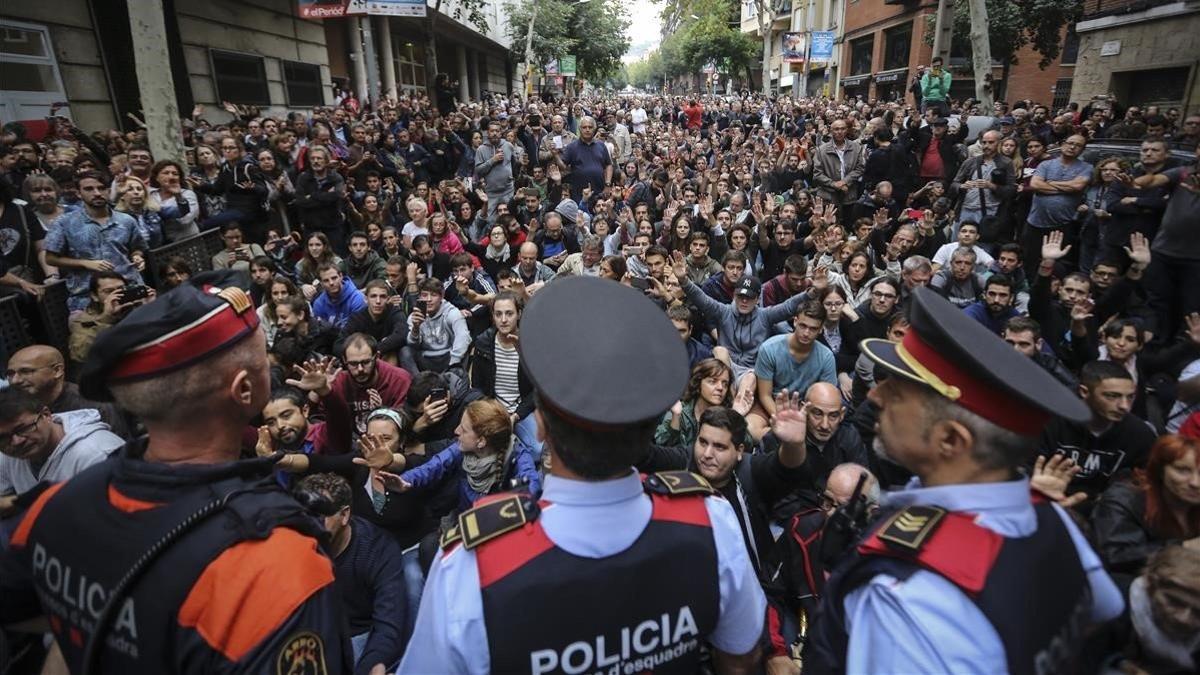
(253, 52)
(1144, 52)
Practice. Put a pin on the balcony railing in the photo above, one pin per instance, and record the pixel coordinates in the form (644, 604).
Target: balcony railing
(1093, 9)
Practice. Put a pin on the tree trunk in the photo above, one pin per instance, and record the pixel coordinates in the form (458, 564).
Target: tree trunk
(981, 55)
(1004, 73)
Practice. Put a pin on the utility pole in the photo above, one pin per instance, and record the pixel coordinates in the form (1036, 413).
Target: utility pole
(156, 87)
(981, 55)
(943, 35)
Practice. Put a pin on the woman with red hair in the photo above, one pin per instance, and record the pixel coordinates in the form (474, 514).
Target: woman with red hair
(1161, 507)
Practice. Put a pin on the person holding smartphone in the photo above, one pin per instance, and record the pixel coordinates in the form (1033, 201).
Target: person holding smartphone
(438, 336)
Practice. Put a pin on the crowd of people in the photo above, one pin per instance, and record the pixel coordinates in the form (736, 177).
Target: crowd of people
(389, 254)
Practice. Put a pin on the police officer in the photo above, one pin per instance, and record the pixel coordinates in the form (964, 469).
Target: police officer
(965, 572)
(608, 572)
(175, 557)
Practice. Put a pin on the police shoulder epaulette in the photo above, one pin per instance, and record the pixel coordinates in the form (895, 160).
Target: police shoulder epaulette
(909, 528)
(495, 517)
(678, 483)
(450, 537)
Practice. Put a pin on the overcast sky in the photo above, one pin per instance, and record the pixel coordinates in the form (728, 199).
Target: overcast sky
(643, 29)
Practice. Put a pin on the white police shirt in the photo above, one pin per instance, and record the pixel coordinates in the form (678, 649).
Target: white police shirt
(927, 624)
(589, 519)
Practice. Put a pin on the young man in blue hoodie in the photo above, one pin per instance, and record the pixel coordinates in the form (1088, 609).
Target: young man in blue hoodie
(338, 299)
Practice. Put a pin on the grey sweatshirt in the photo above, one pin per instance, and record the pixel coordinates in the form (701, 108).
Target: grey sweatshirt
(742, 334)
(87, 441)
(444, 332)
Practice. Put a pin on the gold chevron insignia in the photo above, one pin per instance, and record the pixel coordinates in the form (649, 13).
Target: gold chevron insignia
(236, 298)
(910, 528)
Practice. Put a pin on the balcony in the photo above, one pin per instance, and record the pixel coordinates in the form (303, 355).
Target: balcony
(1093, 9)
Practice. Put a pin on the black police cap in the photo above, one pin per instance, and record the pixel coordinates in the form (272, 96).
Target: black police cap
(601, 354)
(960, 359)
(206, 315)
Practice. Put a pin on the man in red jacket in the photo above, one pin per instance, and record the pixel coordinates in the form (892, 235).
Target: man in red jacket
(369, 382)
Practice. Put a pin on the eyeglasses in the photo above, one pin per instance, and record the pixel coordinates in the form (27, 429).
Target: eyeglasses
(22, 431)
(356, 365)
(883, 296)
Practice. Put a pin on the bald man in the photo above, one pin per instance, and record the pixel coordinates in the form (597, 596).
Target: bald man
(842, 481)
(41, 371)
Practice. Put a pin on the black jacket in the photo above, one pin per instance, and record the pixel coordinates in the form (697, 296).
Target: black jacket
(949, 149)
(369, 576)
(390, 330)
(483, 372)
(1123, 538)
(320, 201)
(1103, 459)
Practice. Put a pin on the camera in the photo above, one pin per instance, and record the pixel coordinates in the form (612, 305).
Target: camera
(135, 292)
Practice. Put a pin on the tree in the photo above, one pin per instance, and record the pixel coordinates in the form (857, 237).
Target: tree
(710, 39)
(593, 32)
(1015, 24)
(764, 12)
(981, 52)
(471, 9)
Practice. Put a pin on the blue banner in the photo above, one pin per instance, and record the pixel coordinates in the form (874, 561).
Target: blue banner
(822, 46)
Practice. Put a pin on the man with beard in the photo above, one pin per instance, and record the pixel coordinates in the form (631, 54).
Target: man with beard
(1008, 263)
(94, 239)
(369, 382)
(996, 307)
(1025, 335)
(962, 411)
(364, 265)
(493, 164)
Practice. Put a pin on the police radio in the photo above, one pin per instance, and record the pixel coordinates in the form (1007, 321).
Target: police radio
(845, 525)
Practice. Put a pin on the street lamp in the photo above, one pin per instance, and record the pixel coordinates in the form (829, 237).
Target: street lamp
(529, 46)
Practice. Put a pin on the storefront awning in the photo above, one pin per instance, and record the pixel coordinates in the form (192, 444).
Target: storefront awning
(894, 75)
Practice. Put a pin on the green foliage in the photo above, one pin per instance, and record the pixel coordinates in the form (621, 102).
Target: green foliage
(594, 32)
(693, 43)
(1015, 24)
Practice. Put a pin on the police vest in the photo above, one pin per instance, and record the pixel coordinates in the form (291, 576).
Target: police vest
(647, 608)
(88, 535)
(1033, 590)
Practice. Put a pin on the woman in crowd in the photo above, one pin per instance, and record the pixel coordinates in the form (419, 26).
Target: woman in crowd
(178, 207)
(855, 281)
(281, 288)
(134, 199)
(613, 267)
(174, 271)
(1161, 507)
(741, 239)
(484, 459)
(317, 251)
(372, 213)
(677, 237)
(202, 180)
(443, 240)
(281, 189)
(495, 254)
(839, 315)
(709, 385)
(496, 368)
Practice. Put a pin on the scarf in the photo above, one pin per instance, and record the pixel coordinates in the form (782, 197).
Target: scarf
(481, 471)
(498, 254)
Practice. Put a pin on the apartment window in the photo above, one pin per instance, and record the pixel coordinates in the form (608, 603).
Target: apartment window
(1070, 48)
(240, 78)
(410, 66)
(1160, 85)
(896, 47)
(860, 55)
(1062, 94)
(302, 83)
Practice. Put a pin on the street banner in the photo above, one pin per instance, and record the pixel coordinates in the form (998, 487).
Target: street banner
(552, 67)
(793, 47)
(822, 46)
(334, 9)
(566, 66)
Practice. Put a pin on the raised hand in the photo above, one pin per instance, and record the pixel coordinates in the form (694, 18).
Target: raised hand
(265, 447)
(1052, 248)
(820, 278)
(316, 375)
(394, 482)
(375, 453)
(790, 421)
(1082, 310)
(679, 267)
(1138, 250)
(1052, 477)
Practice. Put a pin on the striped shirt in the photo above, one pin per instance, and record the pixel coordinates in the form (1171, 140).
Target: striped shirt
(508, 388)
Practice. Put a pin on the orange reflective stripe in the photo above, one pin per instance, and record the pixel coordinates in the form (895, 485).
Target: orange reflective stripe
(248, 591)
(21, 535)
(128, 504)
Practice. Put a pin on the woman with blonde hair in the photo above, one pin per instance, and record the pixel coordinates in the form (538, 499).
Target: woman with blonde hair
(134, 199)
(486, 457)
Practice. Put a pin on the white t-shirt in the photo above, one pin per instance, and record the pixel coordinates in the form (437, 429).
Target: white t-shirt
(982, 259)
(638, 117)
(411, 230)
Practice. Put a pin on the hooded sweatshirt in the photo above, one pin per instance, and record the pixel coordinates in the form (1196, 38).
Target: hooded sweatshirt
(337, 312)
(443, 333)
(87, 441)
(741, 333)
